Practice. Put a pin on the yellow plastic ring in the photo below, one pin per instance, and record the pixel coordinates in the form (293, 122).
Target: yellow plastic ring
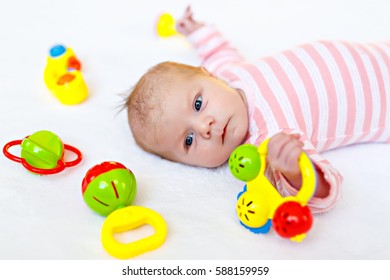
(129, 218)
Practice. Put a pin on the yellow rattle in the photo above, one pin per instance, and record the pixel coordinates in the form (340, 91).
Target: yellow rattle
(129, 218)
(165, 26)
(260, 205)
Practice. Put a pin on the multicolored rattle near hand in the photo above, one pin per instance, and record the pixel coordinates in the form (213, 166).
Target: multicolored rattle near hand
(109, 189)
(43, 153)
(63, 76)
(260, 205)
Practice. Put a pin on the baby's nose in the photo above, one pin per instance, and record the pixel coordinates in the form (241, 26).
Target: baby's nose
(205, 127)
(205, 131)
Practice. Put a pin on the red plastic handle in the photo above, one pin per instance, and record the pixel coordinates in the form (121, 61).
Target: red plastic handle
(60, 164)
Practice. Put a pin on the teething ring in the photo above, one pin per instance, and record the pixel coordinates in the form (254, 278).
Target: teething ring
(60, 164)
(129, 218)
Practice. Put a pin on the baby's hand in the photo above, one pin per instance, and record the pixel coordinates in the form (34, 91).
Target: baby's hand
(283, 154)
(187, 24)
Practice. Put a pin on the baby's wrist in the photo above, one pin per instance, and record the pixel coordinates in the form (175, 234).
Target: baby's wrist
(194, 28)
(295, 180)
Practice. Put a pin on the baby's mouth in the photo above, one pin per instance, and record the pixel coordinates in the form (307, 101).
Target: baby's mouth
(224, 132)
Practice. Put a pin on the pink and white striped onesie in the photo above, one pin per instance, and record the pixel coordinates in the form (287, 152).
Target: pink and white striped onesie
(331, 93)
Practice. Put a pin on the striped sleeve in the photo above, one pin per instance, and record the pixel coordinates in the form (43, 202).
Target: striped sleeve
(215, 52)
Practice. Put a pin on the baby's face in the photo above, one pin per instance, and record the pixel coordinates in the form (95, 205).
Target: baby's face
(204, 120)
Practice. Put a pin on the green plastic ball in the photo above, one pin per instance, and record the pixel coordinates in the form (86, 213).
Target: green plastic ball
(42, 149)
(108, 186)
(244, 162)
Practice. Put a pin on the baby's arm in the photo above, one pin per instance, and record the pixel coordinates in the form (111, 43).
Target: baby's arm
(283, 153)
(213, 49)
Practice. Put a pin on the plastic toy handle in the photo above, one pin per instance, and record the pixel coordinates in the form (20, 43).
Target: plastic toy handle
(60, 164)
(129, 218)
(309, 179)
(75, 151)
(263, 151)
(8, 154)
(309, 176)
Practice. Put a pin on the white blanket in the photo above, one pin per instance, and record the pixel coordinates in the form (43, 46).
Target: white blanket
(45, 217)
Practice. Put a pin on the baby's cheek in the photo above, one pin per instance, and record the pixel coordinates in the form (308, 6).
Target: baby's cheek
(217, 157)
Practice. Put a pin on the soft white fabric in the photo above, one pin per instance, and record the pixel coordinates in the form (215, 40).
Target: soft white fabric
(45, 217)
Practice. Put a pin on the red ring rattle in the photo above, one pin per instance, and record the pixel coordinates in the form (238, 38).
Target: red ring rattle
(42, 153)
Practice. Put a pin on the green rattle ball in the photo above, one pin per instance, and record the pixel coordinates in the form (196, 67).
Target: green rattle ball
(43, 153)
(108, 186)
(42, 149)
(244, 162)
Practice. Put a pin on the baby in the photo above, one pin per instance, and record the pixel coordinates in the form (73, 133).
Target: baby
(313, 98)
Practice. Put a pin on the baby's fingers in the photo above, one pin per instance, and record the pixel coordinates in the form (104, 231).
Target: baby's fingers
(188, 13)
(290, 157)
(283, 153)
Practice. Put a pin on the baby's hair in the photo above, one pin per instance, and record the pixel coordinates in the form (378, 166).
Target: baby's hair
(145, 101)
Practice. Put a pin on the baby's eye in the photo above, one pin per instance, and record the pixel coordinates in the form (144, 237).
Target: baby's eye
(198, 103)
(189, 139)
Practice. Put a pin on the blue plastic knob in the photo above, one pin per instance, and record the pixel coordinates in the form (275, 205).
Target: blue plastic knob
(57, 50)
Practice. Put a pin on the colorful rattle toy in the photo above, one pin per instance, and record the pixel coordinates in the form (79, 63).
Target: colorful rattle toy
(63, 76)
(165, 26)
(108, 186)
(109, 189)
(42, 153)
(260, 205)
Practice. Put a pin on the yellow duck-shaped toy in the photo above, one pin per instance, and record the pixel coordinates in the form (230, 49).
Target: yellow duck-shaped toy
(63, 76)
